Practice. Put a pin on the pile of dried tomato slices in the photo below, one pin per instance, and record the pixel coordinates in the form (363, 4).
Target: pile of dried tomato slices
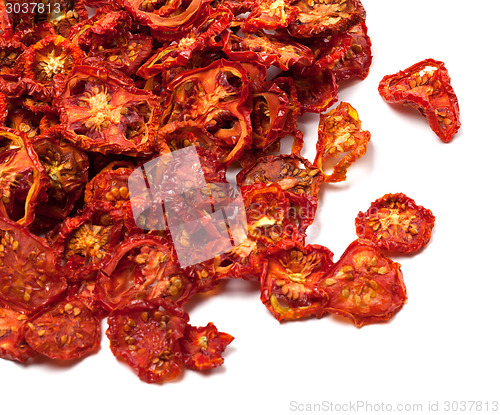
(86, 100)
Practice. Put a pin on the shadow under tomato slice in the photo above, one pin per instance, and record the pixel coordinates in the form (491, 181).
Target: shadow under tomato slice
(66, 331)
(146, 336)
(364, 286)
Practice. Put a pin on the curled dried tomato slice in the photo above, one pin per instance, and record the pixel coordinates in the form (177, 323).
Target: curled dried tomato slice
(268, 50)
(22, 177)
(143, 267)
(325, 17)
(67, 169)
(426, 86)
(290, 172)
(110, 185)
(316, 87)
(12, 343)
(365, 286)
(290, 280)
(203, 346)
(269, 116)
(105, 113)
(168, 19)
(218, 98)
(29, 278)
(396, 224)
(339, 133)
(64, 14)
(48, 61)
(146, 336)
(357, 60)
(178, 52)
(68, 330)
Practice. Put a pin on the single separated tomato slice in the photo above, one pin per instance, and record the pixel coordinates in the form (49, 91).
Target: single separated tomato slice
(66, 331)
(290, 280)
(29, 279)
(12, 343)
(364, 286)
(340, 132)
(105, 113)
(426, 86)
(146, 335)
(143, 267)
(396, 224)
(203, 346)
(218, 99)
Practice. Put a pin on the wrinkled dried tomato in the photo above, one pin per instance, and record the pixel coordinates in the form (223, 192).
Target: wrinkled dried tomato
(143, 267)
(290, 280)
(292, 173)
(339, 133)
(68, 330)
(105, 113)
(426, 86)
(395, 223)
(203, 346)
(22, 177)
(29, 277)
(146, 336)
(364, 286)
(12, 343)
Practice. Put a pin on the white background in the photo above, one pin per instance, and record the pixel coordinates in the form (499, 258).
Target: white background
(443, 345)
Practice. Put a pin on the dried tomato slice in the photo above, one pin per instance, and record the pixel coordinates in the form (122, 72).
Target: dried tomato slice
(64, 14)
(67, 168)
(110, 185)
(105, 113)
(48, 61)
(357, 60)
(269, 117)
(290, 280)
(84, 241)
(66, 331)
(268, 50)
(270, 15)
(218, 98)
(168, 19)
(396, 224)
(266, 207)
(340, 132)
(290, 172)
(29, 278)
(146, 336)
(364, 286)
(316, 87)
(22, 177)
(325, 17)
(12, 343)
(203, 346)
(179, 51)
(426, 86)
(143, 267)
